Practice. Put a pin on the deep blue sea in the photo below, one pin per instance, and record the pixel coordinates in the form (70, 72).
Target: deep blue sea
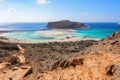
(95, 30)
(23, 26)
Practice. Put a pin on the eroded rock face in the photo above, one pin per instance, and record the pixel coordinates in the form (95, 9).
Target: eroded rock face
(114, 71)
(15, 73)
(99, 66)
(15, 68)
(65, 24)
(111, 44)
(101, 62)
(21, 49)
(113, 36)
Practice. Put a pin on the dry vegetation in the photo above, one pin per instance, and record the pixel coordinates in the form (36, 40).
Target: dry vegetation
(45, 54)
(62, 61)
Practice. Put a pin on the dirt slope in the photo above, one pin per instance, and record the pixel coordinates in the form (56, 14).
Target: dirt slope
(99, 62)
(102, 63)
(94, 67)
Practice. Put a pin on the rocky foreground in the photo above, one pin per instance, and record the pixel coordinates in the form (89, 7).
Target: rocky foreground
(100, 61)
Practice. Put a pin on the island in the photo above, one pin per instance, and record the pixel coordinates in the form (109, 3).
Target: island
(65, 24)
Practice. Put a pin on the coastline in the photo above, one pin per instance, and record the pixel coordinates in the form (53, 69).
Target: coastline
(13, 40)
(55, 32)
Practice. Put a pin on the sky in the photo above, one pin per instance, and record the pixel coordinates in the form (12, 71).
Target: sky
(55, 10)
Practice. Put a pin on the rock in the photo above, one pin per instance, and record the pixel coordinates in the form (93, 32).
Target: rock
(116, 75)
(3, 65)
(15, 68)
(20, 58)
(77, 61)
(16, 73)
(111, 44)
(28, 72)
(113, 36)
(114, 71)
(21, 49)
(109, 70)
(65, 24)
(65, 63)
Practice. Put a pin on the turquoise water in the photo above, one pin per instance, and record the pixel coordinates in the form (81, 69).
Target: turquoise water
(95, 30)
(28, 35)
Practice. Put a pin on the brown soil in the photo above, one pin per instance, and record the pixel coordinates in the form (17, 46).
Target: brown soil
(98, 62)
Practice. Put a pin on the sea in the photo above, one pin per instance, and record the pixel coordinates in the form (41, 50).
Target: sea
(27, 31)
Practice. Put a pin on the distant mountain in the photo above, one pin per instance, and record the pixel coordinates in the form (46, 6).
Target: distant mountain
(4, 26)
(118, 23)
(65, 24)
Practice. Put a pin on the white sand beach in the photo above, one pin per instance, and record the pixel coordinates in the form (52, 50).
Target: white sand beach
(12, 40)
(63, 35)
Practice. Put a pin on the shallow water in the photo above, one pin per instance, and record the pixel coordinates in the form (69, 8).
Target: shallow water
(96, 30)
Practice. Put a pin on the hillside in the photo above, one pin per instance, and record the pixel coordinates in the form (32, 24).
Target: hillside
(96, 61)
(101, 62)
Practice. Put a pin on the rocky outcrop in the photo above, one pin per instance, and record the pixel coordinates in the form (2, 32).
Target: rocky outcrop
(65, 24)
(15, 73)
(113, 36)
(114, 71)
(98, 62)
(93, 67)
(21, 49)
(111, 44)
(15, 68)
(101, 62)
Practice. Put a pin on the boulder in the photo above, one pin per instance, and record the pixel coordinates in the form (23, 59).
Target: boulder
(114, 71)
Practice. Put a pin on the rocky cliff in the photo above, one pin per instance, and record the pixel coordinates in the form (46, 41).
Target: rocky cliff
(65, 24)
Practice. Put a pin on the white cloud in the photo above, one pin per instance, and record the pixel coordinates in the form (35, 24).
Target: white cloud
(11, 10)
(2, 1)
(43, 1)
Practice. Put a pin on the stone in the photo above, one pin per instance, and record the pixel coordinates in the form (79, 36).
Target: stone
(21, 49)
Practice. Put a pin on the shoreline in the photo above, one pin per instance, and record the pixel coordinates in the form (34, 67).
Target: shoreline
(13, 40)
(55, 32)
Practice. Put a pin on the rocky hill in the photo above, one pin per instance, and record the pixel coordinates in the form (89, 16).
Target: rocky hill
(100, 61)
(65, 24)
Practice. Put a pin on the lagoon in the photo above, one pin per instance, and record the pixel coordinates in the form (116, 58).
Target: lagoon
(38, 31)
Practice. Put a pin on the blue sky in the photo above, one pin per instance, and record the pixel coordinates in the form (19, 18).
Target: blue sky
(54, 10)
